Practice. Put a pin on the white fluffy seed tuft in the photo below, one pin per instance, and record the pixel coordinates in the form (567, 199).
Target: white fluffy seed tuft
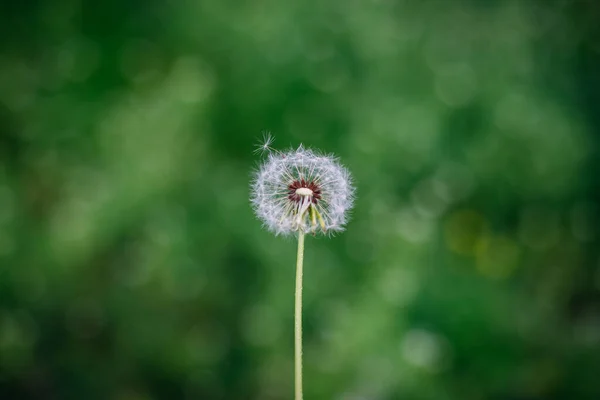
(323, 211)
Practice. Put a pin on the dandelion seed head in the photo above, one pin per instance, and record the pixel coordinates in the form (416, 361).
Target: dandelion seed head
(302, 190)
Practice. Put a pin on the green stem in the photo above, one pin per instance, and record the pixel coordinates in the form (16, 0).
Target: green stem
(298, 318)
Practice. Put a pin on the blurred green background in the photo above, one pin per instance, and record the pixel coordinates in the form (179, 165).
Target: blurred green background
(132, 266)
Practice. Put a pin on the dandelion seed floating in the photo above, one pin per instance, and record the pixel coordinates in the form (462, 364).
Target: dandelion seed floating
(265, 145)
(297, 192)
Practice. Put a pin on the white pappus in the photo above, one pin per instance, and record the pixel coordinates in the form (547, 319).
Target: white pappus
(301, 190)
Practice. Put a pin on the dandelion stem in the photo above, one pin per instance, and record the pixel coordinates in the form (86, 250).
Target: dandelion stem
(298, 318)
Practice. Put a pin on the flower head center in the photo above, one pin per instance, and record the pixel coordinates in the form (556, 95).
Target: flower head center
(304, 191)
(300, 189)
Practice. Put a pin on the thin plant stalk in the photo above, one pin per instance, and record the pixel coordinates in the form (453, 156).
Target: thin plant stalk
(298, 319)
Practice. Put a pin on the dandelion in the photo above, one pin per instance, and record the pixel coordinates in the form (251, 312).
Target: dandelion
(297, 192)
(302, 191)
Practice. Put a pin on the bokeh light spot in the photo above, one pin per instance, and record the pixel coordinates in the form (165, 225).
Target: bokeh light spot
(463, 231)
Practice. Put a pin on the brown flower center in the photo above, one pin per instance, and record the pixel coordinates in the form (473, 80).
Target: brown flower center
(296, 192)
